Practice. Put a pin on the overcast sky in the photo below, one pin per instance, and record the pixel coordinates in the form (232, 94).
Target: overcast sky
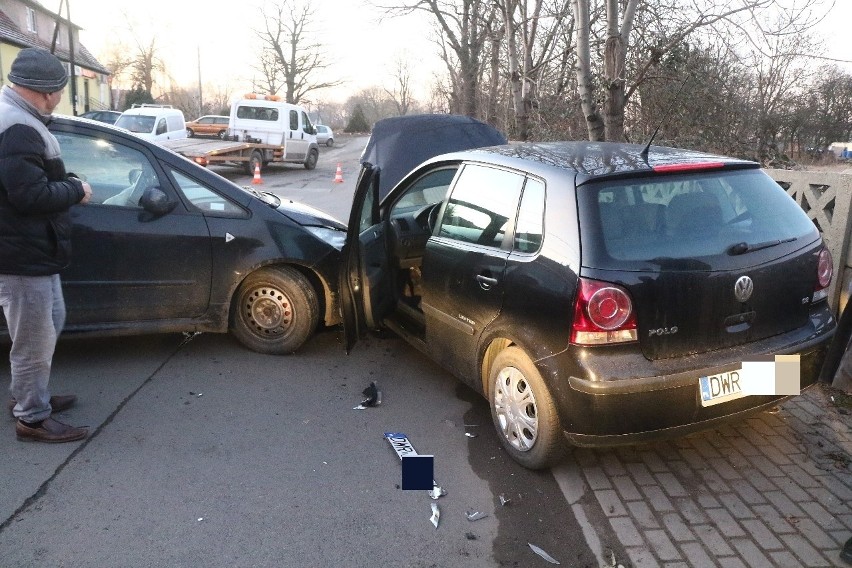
(360, 49)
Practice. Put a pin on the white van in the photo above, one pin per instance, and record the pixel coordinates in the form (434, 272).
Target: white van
(265, 119)
(153, 122)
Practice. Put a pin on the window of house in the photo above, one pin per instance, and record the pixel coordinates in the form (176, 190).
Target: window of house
(31, 20)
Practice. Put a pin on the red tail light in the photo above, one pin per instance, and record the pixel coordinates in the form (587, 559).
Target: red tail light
(603, 314)
(825, 271)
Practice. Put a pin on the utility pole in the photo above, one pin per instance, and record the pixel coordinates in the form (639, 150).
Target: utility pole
(73, 77)
(200, 100)
(71, 57)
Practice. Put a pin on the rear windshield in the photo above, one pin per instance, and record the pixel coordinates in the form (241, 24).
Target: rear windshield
(689, 216)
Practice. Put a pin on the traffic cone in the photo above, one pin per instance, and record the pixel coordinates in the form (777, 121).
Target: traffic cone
(338, 177)
(256, 180)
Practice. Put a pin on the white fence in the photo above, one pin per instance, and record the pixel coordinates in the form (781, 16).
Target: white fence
(827, 199)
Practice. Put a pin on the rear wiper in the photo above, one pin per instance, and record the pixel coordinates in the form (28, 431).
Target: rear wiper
(742, 248)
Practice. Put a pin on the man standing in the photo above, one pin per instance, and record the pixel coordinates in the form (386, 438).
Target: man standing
(35, 233)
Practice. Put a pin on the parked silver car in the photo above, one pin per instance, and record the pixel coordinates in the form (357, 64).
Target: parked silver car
(325, 135)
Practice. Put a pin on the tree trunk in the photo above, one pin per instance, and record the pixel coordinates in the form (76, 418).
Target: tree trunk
(614, 99)
(515, 79)
(585, 87)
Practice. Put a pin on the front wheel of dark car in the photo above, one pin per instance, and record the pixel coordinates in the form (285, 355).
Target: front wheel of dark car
(274, 311)
(523, 411)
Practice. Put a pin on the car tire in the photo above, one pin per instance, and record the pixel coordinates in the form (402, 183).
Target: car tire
(256, 159)
(189, 133)
(523, 411)
(274, 311)
(222, 134)
(311, 161)
(329, 142)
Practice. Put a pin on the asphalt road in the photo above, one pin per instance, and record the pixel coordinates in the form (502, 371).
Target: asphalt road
(203, 453)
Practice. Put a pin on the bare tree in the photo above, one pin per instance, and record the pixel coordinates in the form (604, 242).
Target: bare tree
(288, 44)
(400, 92)
(146, 64)
(676, 20)
(270, 72)
(463, 29)
(528, 51)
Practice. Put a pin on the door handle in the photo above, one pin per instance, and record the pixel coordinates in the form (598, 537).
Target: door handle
(486, 282)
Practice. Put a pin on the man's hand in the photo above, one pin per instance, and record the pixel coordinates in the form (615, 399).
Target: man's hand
(87, 190)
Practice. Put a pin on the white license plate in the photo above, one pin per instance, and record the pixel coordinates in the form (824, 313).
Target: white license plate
(722, 387)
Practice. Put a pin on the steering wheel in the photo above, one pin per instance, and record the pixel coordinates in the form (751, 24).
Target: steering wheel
(427, 217)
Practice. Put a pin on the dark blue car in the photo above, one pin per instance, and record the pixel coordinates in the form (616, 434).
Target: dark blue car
(168, 246)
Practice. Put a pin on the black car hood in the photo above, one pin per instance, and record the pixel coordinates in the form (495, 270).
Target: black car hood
(397, 145)
(308, 216)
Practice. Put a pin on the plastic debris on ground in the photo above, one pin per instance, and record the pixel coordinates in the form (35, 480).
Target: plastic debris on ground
(436, 515)
(504, 500)
(543, 554)
(403, 447)
(475, 515)
(374, 397)
(189, 336)
(471, 434)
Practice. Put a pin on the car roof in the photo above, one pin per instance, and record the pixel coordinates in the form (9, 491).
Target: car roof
(596, 160)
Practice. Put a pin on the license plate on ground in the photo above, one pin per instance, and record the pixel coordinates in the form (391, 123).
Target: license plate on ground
(721, 387)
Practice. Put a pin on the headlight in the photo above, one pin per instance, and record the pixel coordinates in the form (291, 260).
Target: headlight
(334, 237)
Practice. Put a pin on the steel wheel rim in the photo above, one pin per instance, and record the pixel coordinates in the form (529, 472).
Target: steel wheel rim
(268, 312)
(515, 409)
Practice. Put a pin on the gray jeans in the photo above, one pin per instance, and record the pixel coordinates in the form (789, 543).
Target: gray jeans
(35, 313)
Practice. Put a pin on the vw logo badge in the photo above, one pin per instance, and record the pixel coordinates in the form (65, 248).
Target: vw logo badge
(743, 288)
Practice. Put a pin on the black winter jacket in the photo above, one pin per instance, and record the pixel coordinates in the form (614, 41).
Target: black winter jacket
(35, 194)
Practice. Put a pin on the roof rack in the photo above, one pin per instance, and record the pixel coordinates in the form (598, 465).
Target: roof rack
(149, 105)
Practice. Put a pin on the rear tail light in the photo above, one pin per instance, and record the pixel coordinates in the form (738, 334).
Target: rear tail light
(825, 271)
(603, 314)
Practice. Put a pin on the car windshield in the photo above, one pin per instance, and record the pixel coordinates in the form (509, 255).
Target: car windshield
(136, 122)
(691, 216)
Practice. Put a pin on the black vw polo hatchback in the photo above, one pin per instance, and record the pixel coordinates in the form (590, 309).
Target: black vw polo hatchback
(596, 291)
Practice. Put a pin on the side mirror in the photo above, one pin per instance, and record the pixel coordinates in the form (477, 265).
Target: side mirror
(155, 201)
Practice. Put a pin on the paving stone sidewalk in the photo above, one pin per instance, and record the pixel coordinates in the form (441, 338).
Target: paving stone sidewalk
(773, 490)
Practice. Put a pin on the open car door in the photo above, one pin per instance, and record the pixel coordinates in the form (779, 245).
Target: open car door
(365, 294)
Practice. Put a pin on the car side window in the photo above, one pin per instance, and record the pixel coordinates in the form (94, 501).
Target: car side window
(428, 189)
(306, 123)
(118, 174)
(294, 120)
(161, 126)
(529, 229)
(205, 199)
(482, 206)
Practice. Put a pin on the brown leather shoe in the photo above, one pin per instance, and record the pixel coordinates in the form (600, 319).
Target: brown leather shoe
(51, 431)
(58, 402)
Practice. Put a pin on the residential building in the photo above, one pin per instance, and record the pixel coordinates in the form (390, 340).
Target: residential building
(26, 23)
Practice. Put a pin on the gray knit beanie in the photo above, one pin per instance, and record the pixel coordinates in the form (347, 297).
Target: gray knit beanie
(39, 70)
